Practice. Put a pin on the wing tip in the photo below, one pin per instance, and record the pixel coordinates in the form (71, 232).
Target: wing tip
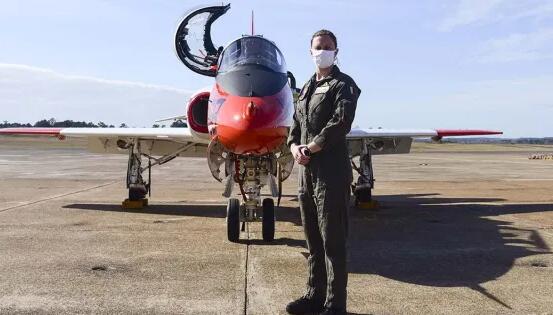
(32, 131)
(466, 132)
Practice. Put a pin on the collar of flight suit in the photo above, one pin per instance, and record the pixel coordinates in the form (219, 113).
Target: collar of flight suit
(333, 73)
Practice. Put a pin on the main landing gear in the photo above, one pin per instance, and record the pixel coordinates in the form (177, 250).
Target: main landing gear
(136, 185)
(251, 173)
(138, 188)
(362, 189)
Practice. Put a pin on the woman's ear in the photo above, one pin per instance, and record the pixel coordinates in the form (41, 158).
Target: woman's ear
(336, 53)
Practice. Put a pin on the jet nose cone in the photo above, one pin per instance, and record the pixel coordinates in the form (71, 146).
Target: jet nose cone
(251, 125)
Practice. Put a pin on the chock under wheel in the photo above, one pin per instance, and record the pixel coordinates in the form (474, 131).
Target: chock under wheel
(135, 204)
(367, 205)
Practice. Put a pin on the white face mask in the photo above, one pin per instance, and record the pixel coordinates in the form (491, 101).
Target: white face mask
(323, 58)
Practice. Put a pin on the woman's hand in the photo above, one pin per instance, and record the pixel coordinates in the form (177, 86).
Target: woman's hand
(298, 155)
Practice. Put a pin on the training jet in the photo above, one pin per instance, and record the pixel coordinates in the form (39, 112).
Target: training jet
(240, 126)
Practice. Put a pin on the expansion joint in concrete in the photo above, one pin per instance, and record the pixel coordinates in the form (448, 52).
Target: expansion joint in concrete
(246, 269)
(58, 196)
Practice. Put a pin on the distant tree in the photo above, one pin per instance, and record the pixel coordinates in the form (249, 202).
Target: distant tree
(111, 126)
(42, 123)
(179, 124)
(123, 125)
(7, 124)
(155, 126)
(101, 124)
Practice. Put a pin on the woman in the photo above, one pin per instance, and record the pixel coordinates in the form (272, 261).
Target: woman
(323, 115)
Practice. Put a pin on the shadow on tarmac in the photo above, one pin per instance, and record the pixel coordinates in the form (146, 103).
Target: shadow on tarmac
(421, 239)
(441, 242)
(283, 214)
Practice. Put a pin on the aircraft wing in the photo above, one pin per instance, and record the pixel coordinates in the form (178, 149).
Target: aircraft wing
(396, 141)
(153, 141)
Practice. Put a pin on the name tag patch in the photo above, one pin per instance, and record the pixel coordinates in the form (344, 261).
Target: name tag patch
(322, 89)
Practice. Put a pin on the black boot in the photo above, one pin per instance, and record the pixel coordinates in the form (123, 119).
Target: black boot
(305, 305)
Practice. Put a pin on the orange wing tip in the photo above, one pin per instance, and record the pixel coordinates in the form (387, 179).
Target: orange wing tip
(32, 131)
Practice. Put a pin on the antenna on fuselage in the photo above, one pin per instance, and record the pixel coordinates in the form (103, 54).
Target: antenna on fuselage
(252, 24)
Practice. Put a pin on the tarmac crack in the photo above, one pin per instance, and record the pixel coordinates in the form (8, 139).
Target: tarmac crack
(246, 269)
(58, 196)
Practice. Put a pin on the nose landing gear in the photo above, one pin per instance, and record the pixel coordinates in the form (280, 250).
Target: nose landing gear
(251, 173)
(241, 214)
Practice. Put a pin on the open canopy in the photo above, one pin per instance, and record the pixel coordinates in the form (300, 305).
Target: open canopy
(193, 43)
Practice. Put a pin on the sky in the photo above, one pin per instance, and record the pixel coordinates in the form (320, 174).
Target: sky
(420, 64)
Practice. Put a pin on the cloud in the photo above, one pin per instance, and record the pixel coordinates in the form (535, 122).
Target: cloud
(28, 94)
(531, 46)
(468, 12)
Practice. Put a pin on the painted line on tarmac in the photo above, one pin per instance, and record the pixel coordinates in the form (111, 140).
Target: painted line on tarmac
(58, 196)
(246, 269)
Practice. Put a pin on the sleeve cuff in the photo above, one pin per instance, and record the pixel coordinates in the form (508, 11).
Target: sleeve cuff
(320, 141)
(290, 142)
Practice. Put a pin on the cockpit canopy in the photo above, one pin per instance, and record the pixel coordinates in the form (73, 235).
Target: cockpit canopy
(252, 50)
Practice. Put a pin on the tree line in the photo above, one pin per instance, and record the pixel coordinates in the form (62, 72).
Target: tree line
(52, 122)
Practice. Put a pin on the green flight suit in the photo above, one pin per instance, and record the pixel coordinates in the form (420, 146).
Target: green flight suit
(324, 113)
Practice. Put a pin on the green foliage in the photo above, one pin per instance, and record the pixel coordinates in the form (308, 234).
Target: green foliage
(179, 124)
(49, 123)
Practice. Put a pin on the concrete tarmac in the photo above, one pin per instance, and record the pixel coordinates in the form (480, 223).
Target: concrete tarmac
(461, 229)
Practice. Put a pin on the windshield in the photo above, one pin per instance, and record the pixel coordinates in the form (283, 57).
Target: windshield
(252, 50)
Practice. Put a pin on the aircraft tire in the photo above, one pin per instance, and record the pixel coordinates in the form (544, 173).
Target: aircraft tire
(362, 195)
(268, 222)
(137, 193)
(233, 220)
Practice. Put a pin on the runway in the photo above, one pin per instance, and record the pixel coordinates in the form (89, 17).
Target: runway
(462, 229)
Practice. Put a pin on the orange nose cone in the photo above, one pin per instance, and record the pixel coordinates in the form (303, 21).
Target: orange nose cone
(247, 125)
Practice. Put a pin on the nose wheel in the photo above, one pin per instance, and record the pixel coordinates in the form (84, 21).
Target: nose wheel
(237, 214)
(233, 220)
(268, 220)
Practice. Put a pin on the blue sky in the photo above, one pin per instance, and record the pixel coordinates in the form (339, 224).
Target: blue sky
(420, 64)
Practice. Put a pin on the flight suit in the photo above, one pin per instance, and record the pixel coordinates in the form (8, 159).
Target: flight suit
(323, 114)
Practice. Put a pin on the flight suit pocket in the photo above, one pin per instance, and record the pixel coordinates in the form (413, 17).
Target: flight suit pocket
(319, 110)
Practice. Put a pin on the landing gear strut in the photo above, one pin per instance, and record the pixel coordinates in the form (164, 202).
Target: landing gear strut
(135, 183)
(251, 173)
(362, 190)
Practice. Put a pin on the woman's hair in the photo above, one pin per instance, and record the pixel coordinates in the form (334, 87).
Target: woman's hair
(325, 32)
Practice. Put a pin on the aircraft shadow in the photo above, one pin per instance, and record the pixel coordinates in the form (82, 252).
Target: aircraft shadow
(283, 214)
(442, 242)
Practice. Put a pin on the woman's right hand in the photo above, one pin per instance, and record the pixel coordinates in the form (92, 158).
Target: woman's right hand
(297, 153)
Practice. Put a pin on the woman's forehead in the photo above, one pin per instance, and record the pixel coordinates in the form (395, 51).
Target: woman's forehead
(323, 40)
